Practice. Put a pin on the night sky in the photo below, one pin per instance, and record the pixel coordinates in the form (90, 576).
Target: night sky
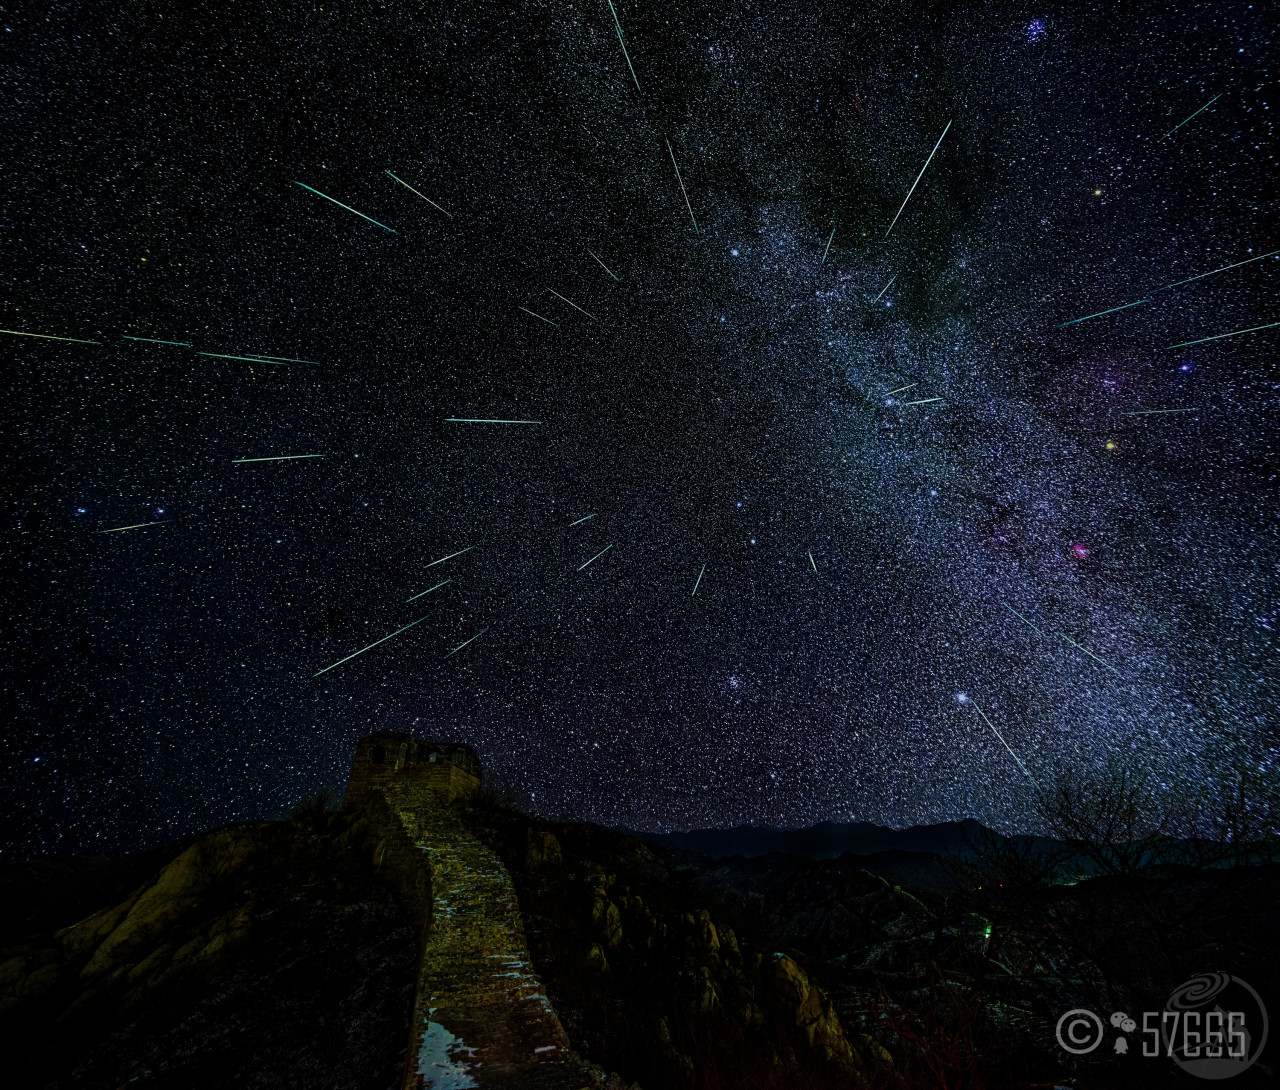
(891, 578)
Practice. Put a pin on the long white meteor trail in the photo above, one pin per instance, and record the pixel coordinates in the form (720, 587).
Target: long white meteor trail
(540, 317)
(584, 518)
(1196, 114)
(918, 177)
(1236, 333)
(422, 195)
(152, 340)
(135, 526)
(900, 389)
(922, 401)
(828, 249)
(1224, 268)
(248, 359)
(374, 644)
(682, 188)
(1020, 616)
(472, 640)
(1001, 737)
(436, 587)
(472, 420)
(450, 557)
(624, 45)
(277, 458)
(347, 207)
(606, 268)
(1091, 655)
(815, 566)
(1153, 412)
(699, 581)
(47, 337)
(598, 555)
(1102, 312)
(282, 359)
(884, 289)
(573, 304)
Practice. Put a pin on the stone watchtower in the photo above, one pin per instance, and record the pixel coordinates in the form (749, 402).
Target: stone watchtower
(481, 1017)
(447, 769)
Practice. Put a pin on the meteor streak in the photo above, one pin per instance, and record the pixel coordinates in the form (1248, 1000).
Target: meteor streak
(699, 580)
(468, 420)
(1212, 271)
(282, 359)
(47, 337)
(682, 188)
(472, 640)
(135, 526)
(623, 44)
(1102, 312)
(277, 458)
(572, 304)
(1091, 654)
(598, 555)
(1020, 616)
(584, 519)
(436, 587)
(606, 268)
(815, 566)
(422, 195)
(374, 644)
(900, 389)
(1151, 412)
(152, 340)
(922, 401)
(918, 177)
(540, 317)
(1199, 111)
(883, 290)
(450, 557)
(828, 249)
(1001, 737)
(1236, 333)
(347, 207)
(248, 359)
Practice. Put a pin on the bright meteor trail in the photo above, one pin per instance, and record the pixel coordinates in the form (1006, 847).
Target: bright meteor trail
(347, 207)
(1001, 737)
(1196, 114)
(135, 526)
(374, 644)
(918, 177)
(828, 249)
(1102, 312)
(1212, 271)
(573, 304)
(598, 555)
(606, 268)
(47, 337)
(540, 317)
(682, 188)
(1251, 329)
(698, 581)
(882, 291)
(277, 458)
(472, 420)
(436, 587)
(450, 557)
(411, 190)
(622, 43)
(472, 640)
(584, 519)
(152, 340)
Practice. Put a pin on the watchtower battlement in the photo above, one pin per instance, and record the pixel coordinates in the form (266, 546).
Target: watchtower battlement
(448, 769)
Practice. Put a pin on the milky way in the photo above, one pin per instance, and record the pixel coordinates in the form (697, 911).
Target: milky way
(947, 541)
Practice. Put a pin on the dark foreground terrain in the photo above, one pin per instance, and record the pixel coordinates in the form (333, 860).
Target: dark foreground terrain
(270, 955)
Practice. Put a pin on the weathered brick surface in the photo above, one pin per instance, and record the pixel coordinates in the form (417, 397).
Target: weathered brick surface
(482, 1017)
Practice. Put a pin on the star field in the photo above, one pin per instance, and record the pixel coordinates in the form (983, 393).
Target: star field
(944, 537)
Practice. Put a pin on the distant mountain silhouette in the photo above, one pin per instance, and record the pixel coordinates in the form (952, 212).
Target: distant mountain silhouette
(828, 840)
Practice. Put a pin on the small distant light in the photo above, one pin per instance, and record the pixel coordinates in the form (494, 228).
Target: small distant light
(1097, 192)
(1111, 444)
(734, 252)
(79, 510)
(1185, 367)
(1080, 552)
(159, 510)
(753, 541)
(962, 698)
(933, 491)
